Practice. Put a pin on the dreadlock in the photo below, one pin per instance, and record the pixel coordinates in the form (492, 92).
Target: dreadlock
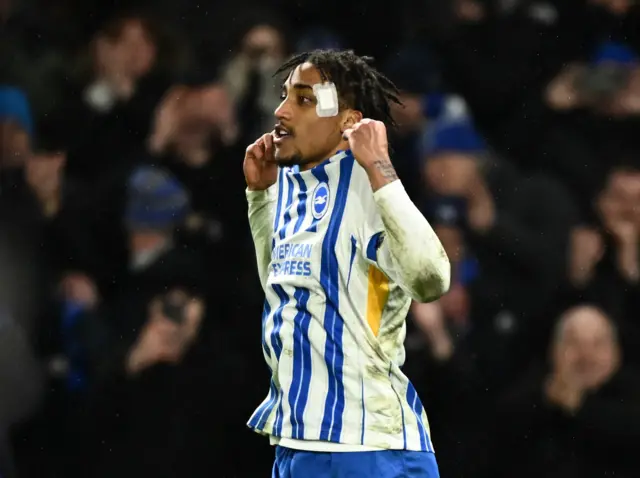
(360, 86)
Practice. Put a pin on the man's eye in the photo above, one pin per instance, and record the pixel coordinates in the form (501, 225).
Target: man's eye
(305, 99)
(283, 96)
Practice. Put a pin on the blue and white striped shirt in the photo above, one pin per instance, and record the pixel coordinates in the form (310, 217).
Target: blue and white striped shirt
(334, 312)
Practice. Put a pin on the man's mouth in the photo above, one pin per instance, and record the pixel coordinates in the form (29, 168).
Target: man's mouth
(281, 133)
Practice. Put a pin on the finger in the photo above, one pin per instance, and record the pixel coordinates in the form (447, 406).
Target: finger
(347, 133)
(268, 143)
(256, 150)
(167, 330)
(168, 353)
(155, 309)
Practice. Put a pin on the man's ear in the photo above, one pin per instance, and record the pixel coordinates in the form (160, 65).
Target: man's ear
(349, 119)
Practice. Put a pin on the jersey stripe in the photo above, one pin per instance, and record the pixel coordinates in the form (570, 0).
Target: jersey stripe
(416, 406)
(287, 209)
(276, 344)
(354, 248)
(301, 375)
(260, 416)
(378, 292)
(266, 310)
(299, 391)
(302, 202)
(333, 323)
(276, 219)
(276, 341)
(372, 247)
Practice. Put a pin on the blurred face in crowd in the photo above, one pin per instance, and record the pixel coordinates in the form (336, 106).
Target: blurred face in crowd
(142, 51)
(43, 173)
(189, 119)
(263, 43)
(127, 46)
(620, 201)
(192, 133)
(14, 145)
(617, 7)
(586, 347)
(469, 10)
(301, 136)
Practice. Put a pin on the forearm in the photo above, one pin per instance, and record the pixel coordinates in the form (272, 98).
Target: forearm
(627, 260)
(412, 246)
(261, 215)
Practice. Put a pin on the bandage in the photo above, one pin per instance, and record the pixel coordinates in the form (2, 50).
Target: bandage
(327, 99)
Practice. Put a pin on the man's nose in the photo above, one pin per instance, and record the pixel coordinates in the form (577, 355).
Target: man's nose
(283, 111)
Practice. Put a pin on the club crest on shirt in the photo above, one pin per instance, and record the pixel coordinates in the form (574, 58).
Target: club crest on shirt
(320, 200)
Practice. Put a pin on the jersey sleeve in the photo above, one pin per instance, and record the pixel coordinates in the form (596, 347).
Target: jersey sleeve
(262, 206)
(398, 240)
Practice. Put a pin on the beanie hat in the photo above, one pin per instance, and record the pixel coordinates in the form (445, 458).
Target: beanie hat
(156, 200)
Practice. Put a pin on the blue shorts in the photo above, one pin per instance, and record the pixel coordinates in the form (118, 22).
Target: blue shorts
(362, 464)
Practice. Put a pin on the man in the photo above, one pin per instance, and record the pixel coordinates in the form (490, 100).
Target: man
(341, 252)
(579, 417)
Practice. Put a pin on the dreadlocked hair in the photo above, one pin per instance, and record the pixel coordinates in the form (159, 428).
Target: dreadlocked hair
(360, 86)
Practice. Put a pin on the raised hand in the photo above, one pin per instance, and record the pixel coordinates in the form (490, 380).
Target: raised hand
(260, 168)
(369, 145)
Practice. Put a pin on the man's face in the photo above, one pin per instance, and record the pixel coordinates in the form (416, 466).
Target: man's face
(301, 136)
(586, 348)
(43, 173)
(263, 43)
(139, 48)
(14, 145)
(621, 198)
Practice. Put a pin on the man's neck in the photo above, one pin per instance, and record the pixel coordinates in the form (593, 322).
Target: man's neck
(342, 146)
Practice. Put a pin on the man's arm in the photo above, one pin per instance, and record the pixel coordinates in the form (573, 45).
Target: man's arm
(407, 249)
(404, 247)
(261, 174)
(261, 216)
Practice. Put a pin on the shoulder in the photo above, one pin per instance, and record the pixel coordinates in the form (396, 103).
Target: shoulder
(361, 205)
(360, 186)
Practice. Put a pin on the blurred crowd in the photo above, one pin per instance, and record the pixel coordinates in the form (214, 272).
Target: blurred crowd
(129, 298)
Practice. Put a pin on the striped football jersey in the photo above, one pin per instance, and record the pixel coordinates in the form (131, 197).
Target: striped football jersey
(333, 326)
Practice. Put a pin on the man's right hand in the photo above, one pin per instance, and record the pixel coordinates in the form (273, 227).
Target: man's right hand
(260, 168)
(162, 340)
(158, 342)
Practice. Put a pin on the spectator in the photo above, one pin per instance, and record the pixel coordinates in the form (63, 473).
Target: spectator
(496, 224)
(582, 417)
(248, 75)
(194, 137)
(127, 75)
(154, 414)
(605, 263)
(122, 204)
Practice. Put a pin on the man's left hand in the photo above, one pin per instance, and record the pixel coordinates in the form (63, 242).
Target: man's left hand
(370, 147)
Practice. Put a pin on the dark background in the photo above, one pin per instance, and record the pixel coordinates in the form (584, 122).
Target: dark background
(129, 301)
